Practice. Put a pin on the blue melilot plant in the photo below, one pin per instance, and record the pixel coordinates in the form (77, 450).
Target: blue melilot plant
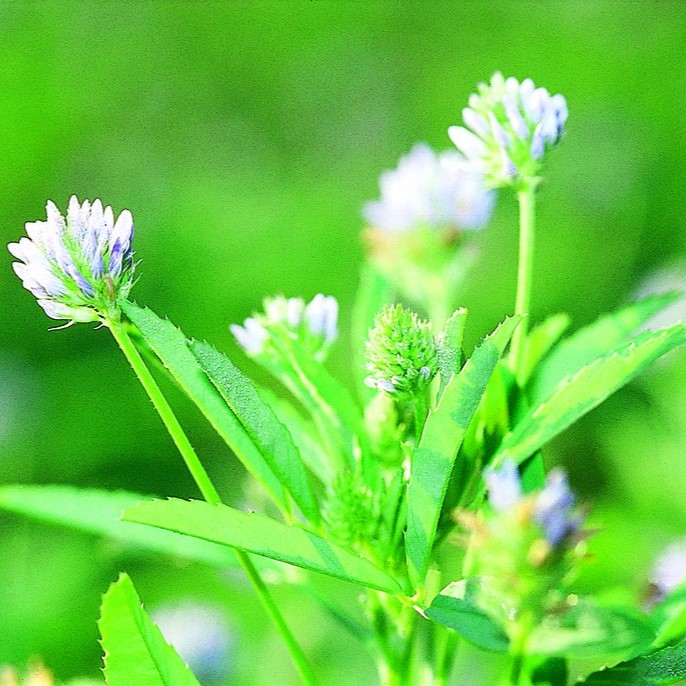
(420, 480)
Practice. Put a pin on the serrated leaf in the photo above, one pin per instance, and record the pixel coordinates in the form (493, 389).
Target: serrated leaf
(135, 649)
(171, 346)
(577, 395)
(304, 434)
(449, 348)
(539, 341)
(596, 340)
(469, 621)
(255, 533)
(669, 617)
(666, 666)
(433, 460)
(260, 422)
(98, 512)
(591, 630)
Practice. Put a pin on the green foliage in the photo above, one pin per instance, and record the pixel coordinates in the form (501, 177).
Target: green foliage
(606, 335)
(454, 611)
(135, 650)
(171, 346)
(578, 394)
(443, 433)
(260, 422)
(662, 667)
(255, 533)
(591, 630)
(98, 512)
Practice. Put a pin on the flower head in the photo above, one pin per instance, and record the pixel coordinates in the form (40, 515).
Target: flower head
(78, 266)
(429, 190)
(669, 571)
(201, 636)
(508, 126)
(314, 325)
(401, 352)
(551, 508)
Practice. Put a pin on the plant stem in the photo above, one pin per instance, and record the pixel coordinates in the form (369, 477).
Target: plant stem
(209, 492)
(527, 220)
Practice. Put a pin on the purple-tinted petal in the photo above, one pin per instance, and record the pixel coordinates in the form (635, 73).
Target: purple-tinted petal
(504, 486)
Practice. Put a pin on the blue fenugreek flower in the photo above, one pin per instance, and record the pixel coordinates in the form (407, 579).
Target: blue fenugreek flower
(401, 352)
(201, 636)
(551, 508)
(507, 128)
(429, 190)
(669, 571)
(504, 486)
(79, 266)
(313, 325)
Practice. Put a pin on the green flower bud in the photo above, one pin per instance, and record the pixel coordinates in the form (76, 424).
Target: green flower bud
(401, 352)
(382, 421)
(351, 510)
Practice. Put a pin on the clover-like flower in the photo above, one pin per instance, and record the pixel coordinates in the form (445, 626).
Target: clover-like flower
(508, 126)
(669, 571)
(79, 266)
(401, 352)
(314, 325)
(551, 508)
(429, 190)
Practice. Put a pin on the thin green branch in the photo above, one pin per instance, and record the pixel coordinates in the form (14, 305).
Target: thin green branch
(209, 492)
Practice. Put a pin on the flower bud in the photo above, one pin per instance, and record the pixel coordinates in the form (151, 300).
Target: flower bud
(314, 326)
(429, 190)
(509, 125)
(79, 266)
(401, 353)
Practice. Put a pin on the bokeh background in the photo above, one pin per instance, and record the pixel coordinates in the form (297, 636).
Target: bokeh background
(245, 137)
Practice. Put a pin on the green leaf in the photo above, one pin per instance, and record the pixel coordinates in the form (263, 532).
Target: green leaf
(467, 620)
(445, 427)
(551, 671)
(255, 533)
(587, 630)
(374, 291)
(669, 616)
(135, 650)
(579, 394)
(597, 340)
(450, 348)
(98, 512)
(666, 666)
(304, 435)
(539, 341)
(171, 346)
(258, 419)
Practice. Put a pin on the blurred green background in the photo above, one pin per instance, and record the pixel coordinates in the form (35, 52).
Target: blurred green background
(245, 137)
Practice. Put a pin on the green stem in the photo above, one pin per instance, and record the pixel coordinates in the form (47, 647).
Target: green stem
(209, 492)
(527, 222)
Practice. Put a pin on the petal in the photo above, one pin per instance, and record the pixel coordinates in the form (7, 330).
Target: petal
(466, 142)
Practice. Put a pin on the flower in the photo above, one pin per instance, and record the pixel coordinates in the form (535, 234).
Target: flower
(669, 570)
(201, 635)
(78, 266)
(508, 126)
(504, 487)
(401, 352)
(429, 190)
(314, 325)
(552, 507)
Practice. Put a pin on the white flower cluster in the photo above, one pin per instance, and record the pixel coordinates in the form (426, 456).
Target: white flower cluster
(669, 571)
(508, 126)
(429, 190)
(77, 266)
(314, 324)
